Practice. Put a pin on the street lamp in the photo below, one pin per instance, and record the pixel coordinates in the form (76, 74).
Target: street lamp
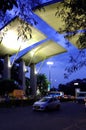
(76, 83)
(76, 88)
(50, 63)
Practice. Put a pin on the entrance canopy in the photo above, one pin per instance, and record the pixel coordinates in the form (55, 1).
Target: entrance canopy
(46, 33)
(12, 44)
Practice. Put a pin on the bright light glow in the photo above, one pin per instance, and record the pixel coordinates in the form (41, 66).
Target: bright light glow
(48, 87)
(32, 53)
(25, 69)
(38, 91)
(49, 63)
(36, 71)
(76, 83)
(9, 65)
(77, 90)
(10, 41)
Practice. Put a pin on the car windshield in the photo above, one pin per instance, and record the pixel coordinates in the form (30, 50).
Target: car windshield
(44, 99)
(54, 94)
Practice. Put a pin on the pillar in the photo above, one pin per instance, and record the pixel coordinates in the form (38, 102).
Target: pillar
(33, 79)
(7, 67)
(22, 75)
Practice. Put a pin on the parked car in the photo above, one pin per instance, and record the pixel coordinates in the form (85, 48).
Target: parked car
(46, 103)
(57, 94)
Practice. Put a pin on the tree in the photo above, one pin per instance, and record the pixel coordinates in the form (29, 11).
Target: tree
(73, 14)
(69, 88)
(74, 17)
(42, 83)
(22, 8)
(7, 5)
(75, 63)
(7, 86)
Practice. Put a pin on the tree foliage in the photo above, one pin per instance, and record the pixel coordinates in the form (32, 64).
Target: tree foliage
(7, 5)
(42, 83)
(23, 10)
(73, 14)
(75, 19)
(69, 88)
(7, 86)
(75, 63)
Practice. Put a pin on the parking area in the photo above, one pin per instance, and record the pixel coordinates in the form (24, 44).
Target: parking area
(71, 116)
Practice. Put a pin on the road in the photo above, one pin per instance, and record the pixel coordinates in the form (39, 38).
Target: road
(71, 116)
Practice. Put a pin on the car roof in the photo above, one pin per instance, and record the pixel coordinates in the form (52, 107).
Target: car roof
(49, 97)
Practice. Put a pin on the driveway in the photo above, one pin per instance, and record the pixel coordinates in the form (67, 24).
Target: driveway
(71, 116)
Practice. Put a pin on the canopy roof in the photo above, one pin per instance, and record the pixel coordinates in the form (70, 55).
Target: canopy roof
(11, 44)
(57, 23)
(52, 43)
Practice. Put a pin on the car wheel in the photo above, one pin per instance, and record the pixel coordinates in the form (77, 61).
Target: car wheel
(46, 108)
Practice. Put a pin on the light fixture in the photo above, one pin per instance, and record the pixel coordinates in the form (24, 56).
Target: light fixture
(76, 83)
(49, 63)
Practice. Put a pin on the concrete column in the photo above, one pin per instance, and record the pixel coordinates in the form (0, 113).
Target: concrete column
(22, 75)
(7, 67)
(33, 80)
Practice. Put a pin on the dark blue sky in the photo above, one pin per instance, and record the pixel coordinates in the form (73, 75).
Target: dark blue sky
(57, 70)
(60, 62)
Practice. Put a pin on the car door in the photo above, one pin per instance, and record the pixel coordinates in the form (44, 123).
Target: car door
(56, 103)
(51, 103)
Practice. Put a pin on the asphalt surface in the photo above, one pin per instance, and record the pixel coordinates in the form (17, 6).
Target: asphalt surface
(71, 116)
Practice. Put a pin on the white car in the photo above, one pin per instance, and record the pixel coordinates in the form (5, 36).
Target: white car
(46, 103)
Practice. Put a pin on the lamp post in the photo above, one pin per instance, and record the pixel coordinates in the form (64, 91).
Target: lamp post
(49, 63)
(77, 90)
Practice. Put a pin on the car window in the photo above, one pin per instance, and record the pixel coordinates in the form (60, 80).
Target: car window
(51, 100)
(44, 99)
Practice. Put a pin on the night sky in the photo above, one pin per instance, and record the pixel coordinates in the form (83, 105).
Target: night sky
(60, 62)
